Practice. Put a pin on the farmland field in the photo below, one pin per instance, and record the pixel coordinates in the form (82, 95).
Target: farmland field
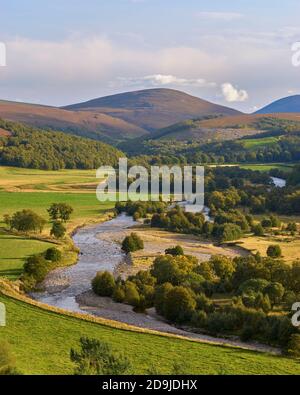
(260, 142)
(14, 250)
(28, 327)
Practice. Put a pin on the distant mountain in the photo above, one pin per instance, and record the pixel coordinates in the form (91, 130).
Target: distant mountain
(97, 126)
(152, 109)
(285, 105)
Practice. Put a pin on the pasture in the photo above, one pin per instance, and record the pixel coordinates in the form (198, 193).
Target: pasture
(47, 337)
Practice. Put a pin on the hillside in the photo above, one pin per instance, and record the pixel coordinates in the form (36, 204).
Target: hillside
(153, 109)
(29, 326)
(38, 149)
(289, 104)
(87, 124)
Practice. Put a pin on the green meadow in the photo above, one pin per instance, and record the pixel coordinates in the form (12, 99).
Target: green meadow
(259, 142)
(47, 337)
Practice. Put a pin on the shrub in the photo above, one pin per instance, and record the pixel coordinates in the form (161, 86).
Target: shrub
(258, 230)
(58, 230)
(132, 243)
(274, 251)
(53, 254)
(293, 348)
(37, 267)
(27, 221)
(98, 358)
(132, 295)
(180, 304)
(175, 251)
(103, 284)
(118, 294)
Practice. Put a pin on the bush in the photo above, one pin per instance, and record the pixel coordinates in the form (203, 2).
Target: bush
(132, 243)
(293, 348)
(27, 221)
(36, 266)
(118, 294)
(53, 254)
(175, 251)
(258, 230)
(180, 304)
(58, 230)
(274, 251)
(98, 358)
(104, 284)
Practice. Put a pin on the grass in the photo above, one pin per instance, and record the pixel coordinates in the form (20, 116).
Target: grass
(14, 250)
(44, 338)
(86, 206)
(252, 144)
(17, 179)
(267, 167)
(290, 246)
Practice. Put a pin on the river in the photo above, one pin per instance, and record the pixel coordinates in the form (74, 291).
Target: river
(65, 284)
(279, 182)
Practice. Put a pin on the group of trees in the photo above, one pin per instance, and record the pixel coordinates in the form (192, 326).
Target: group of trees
(27, 221)
(40, 149)
(181, 289)
(36, 267)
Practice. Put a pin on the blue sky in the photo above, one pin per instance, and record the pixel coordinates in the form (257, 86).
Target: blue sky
(236, 52)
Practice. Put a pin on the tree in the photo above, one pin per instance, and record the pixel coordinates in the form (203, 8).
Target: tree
(274, 251)
(53, 254)
(27, 221)
(258, 230)
(37, 267)
(175, 251)
(60, 211)
(294, 346)
(104, 284)
(180, 304)
(58, 230)
(132, 243)
(98, 358)
(275, 291)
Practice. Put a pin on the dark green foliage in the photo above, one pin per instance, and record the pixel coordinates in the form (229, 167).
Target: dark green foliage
(36, 266)
(39, 149)
(180, 304)
(53, 254)
(258, 230)
(175, 251)
(293, 347)
(103, 284)
(27, 221)
(58, 230)
(60, 211)
(132, 243)
(98, 358)
(274, 251)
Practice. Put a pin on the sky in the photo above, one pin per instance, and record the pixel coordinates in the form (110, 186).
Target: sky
(236, 53)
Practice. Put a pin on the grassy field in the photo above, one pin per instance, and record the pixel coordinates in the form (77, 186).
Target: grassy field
(16, 179)
(86, 206)
(252, 144)
(290, 246)
(287, 167)
(13, 251)
(45, 338)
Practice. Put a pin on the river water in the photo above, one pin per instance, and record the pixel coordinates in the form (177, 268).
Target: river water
(96, 254)
(279, 182)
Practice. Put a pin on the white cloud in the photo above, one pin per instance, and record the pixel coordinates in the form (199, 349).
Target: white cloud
(165, 80)
(224, 16)
(232, 94)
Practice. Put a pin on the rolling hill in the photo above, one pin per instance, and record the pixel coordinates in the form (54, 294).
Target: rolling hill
(152, 109)
(289, 104)
(87, 124)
